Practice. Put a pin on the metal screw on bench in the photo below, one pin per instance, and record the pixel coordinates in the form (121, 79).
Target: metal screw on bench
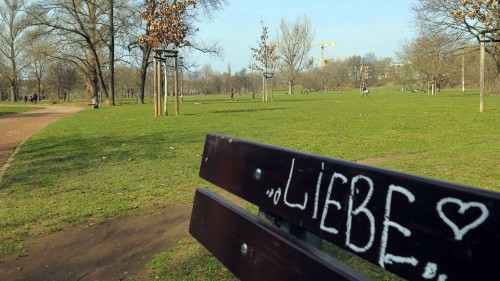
(244, 250)
(258, 174)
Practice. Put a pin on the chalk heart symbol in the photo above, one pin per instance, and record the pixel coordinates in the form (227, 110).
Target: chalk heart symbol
(463, 207)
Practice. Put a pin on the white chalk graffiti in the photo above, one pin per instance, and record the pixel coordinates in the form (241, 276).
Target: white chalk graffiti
(277, 195)
(318, 187)
(292, 205)
(363, 210)
(356, 212)
(460, 232)
(329, 202)
(385, 258)
(430, 272)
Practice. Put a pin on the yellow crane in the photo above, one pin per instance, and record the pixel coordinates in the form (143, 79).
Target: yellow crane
(322, 46)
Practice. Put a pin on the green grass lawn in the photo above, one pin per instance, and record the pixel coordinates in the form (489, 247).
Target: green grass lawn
(98, 164)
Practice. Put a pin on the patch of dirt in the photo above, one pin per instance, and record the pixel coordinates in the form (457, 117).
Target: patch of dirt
(377, 160)
(115, 250)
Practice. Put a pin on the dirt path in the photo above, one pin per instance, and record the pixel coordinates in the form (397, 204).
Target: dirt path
(113, 251)
(15, 128)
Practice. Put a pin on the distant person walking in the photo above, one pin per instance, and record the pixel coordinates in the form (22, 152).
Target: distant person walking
(365, 92)
(25, 99)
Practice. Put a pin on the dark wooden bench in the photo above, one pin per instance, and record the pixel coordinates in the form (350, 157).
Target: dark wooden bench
(94, 103)
(417, 228)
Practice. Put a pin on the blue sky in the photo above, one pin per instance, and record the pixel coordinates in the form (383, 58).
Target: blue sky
(359, 27)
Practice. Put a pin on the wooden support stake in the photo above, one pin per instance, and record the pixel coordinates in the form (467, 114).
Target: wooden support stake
(176, 86)
(158, 90)
(481, 73)
(165, 98)
(155, 82)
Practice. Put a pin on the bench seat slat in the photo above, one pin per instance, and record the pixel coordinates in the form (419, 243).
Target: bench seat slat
(222, 228)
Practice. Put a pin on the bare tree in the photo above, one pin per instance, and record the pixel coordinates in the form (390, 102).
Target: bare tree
(464, 20)
(3, 83)
(354, 66)
(316, 79)
(13, 26)
(380, 71)
(62, 77)
(127, 81)
(86, 31)
(39, 61)
(228, 81)
(80, 26)
(293, 44)
(431, 57)
(340, 74)
(145, 58)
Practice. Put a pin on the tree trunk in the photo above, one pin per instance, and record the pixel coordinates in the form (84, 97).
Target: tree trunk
(263, 88)
(111, 53)
(495, 89)
(176, 87)
(14, 84)
(290, 87)
(13, 95)
(92, 81)
(146, 52)
(100, 77)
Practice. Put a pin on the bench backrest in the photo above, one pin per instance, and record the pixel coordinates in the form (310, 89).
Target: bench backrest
(418, 228)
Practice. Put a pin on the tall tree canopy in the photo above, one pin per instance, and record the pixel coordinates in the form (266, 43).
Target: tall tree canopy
(293, 44)
(431, 56)
(81, 29)
(13, 26)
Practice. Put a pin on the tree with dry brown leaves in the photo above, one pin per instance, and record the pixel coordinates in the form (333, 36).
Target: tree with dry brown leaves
(166, 21)
(265, 58)
(482, 12)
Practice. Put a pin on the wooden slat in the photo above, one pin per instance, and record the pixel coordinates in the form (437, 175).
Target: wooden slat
(223, 228)
(418, 228)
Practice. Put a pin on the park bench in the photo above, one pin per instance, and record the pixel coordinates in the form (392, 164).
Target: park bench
(94, 102)
(415, 227)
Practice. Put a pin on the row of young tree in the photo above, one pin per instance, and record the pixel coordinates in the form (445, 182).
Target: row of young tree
(446, 51)
(61, 46)
(443, 69)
